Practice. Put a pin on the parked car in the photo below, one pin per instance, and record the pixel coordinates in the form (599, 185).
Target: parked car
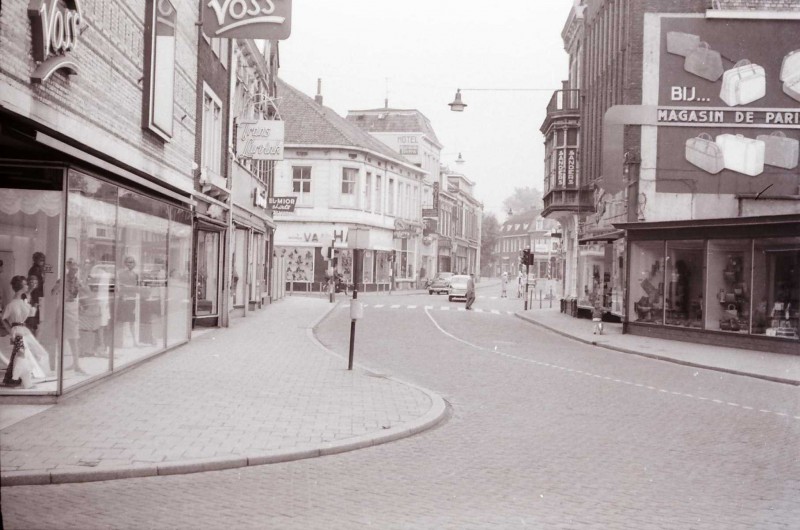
(440, 283)
(458, 287)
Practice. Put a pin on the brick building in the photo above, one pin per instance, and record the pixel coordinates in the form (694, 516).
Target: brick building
(662, 223)
(97, 139)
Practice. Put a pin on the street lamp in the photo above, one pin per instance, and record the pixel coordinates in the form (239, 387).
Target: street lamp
(457, 105)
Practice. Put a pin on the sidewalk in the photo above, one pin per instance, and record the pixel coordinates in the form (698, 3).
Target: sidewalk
(261, 391)
(776, 367)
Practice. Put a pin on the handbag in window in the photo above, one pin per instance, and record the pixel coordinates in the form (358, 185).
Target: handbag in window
(704, 62)
(743, 84)
(703, 152)
(780, 151)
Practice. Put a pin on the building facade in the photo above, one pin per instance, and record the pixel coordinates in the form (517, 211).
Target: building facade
(97, 135)
(461, 214)
(688, 241)
(342, 178)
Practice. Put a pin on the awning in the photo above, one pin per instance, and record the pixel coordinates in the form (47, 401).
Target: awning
(607, 237)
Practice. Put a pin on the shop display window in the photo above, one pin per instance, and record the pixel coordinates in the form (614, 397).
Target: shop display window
(31, 226)
(646, 301)
(383, 266)
(207, 273)
(239, 265)
(299, 263)
(728, 306)
(87, 293)
(369, 263)
(683, 304)
(776, 287)
(594, 275)
(618, 277)
(179, 258)
(140, 312)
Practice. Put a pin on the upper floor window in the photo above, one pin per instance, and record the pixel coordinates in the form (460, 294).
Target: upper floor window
(390, 198)
(368, 192)
(349, 185)
(211, 153)
(220, 49)
(378, 194)
(301, 183)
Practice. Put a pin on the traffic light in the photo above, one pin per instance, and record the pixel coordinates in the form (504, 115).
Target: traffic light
(527, 256)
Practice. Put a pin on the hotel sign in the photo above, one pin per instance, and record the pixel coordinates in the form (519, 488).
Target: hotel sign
(260, 139)
(55, 25)
(247, 19)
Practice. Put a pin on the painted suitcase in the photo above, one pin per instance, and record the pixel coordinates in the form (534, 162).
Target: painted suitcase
(780, 150)
(703, 152)
(743, 155)
(743, 84)
(704, 62)
(681, 43)
(790, 74)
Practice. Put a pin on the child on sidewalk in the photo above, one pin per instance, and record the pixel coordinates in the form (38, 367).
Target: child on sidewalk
(597, 318)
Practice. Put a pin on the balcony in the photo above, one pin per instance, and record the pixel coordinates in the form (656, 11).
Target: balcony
(565, 105)
(573, 201)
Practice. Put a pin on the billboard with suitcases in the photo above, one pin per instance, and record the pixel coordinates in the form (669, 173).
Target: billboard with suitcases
(728, 105)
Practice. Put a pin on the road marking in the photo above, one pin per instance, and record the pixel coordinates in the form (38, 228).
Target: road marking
(378, 305)
(395, 306)
(581, 372)
(411, 307)
(495, 312)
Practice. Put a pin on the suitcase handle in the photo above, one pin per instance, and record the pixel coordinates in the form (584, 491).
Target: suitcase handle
(779, 134)
(742, 62)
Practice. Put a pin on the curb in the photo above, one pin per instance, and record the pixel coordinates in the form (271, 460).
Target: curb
(657, 357)
(435, 415)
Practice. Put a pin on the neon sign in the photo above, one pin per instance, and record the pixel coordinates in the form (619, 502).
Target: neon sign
(55, 27)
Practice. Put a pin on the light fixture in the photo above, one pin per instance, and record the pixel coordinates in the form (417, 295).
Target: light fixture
(460, 160)
(457, 105)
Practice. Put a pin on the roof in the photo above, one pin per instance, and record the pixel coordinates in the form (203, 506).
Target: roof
(519, 224)
(393, 120)
(308, 123)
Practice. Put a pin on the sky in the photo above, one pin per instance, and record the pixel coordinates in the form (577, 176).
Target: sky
(419, 52)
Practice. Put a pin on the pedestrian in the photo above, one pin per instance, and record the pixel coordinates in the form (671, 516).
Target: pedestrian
(504, 285)
(597, 318)
(470, 292)
(520, 284)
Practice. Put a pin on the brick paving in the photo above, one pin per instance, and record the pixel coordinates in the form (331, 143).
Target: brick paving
(262, 390)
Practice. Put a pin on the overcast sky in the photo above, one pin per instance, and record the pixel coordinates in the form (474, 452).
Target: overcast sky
(423, 50)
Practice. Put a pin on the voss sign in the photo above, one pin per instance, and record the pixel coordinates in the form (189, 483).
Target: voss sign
(247, 19)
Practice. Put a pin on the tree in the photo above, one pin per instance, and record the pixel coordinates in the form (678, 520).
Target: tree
(523, 200)
(490, 231)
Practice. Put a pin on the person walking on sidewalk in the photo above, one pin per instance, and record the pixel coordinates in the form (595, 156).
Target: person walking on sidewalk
(597, 318)
(470, 292)
(504, 285)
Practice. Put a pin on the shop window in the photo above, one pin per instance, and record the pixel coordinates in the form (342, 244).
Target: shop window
(90, 278)
(594, 272)
(369, 263)
(206, 300)
(159, 69)
(776, 287)
(178, 292)
(729, 273)
(646, 302)
(141, 277)
(299, 263)
(344, 265)
(383, 266)
(31, 224)
(301, 184)
(683, 304)
(239, 268)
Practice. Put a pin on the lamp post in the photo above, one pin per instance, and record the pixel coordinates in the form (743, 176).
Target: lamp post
(357, 239)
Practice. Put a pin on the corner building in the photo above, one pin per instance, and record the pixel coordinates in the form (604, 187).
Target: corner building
(97, 133)
(689, 151)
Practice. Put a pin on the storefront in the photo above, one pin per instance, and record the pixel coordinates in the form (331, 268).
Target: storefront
(732, 282)
(106, 264)
(211, 230)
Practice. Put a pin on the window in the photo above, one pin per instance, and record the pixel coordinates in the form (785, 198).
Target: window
(647, 282)
(368, 193)
(378, 194)
(211, 154)
(349, 186)
(390, 198)
(684, 283)
(220, 49)
(301, 183)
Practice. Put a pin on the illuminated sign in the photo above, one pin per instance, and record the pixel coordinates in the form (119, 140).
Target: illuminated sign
(55, 26)
(247, 19)
(260, 139)
(282, 204)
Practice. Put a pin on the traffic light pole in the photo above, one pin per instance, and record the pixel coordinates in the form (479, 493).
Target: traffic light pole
(527, 274)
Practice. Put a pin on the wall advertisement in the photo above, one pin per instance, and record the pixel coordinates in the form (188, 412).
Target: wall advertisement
(728, 106)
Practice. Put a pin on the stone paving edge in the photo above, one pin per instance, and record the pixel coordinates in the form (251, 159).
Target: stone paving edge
(434, 416)
(657, 357)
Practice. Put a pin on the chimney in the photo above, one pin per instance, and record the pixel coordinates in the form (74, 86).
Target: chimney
(386, 103)
(318, 97)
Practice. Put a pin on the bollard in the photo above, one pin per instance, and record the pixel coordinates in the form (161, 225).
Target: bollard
(540, 298)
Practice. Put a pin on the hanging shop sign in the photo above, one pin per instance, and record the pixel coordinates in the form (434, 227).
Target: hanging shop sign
(572, 161)
(403, 230)
(436, 196)
(247, 19)
(282, 204)
(259, 139)
(55, 26)
(260, 198)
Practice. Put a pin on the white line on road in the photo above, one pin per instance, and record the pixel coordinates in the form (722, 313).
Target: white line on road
(639, 385)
